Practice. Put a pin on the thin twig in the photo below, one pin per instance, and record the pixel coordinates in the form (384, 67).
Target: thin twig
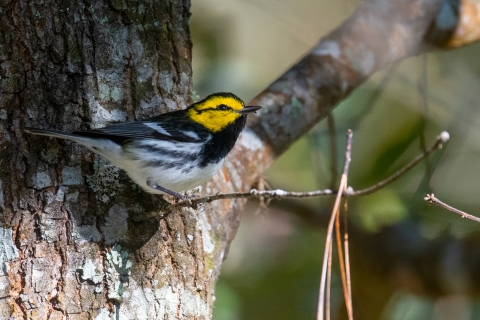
(430, 198)
(347, 262)
(341, 262)
(321, 298)
(329, 282)
(441, 138)
(255, 194)
(349, 278)
(336, 209)
(252, 194)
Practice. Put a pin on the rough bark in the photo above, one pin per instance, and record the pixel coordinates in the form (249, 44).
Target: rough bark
(71, 248)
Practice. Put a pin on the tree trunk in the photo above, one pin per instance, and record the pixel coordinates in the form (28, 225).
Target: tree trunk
(70, 247)
(73, 247)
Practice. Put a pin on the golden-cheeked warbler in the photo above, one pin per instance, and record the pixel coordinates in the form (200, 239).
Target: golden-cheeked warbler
(174, 151)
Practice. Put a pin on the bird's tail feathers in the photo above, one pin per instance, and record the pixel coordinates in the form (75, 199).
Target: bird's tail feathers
(51, 133)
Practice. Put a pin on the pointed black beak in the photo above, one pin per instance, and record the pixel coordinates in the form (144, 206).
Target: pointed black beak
(249, 109)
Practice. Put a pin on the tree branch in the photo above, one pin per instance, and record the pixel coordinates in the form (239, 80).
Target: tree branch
(430, 198)
(334, 216)
(441, 138)
(464, 15)
(378, 34)
(252, 194)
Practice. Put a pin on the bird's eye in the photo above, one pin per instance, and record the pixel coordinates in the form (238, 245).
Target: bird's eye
(222, 107)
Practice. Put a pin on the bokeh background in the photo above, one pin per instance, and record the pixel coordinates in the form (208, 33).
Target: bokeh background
(408, 260)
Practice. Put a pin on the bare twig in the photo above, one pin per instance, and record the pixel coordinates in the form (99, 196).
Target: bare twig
(329, 283)
(441, 138)
(430, 198)
(252, 194)
(349, 279)
(335, 211)
(349, 303)
(342, 263)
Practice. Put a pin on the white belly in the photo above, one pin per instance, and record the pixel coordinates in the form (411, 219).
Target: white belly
(140, 166)
(174, 179)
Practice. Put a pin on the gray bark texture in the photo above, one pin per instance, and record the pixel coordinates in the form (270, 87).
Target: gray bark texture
(72, 246)
(70, 249)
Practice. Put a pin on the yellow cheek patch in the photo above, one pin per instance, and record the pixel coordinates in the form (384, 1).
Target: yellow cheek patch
(205, 112)
(214, 120)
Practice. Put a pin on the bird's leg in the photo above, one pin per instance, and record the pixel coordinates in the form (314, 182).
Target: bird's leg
(159, 188)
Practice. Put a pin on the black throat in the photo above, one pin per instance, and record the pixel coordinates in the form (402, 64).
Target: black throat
(222, 142)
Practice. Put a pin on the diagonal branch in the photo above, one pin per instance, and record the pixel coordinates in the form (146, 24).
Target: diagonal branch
(441, 138)
(430, 198)
(378, 34)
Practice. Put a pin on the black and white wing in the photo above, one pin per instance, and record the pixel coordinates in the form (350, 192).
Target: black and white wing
(168, 128)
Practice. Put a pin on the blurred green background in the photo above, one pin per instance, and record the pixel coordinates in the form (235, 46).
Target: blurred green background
(408, 260)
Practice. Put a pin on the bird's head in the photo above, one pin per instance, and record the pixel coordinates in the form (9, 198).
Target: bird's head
(219, 110)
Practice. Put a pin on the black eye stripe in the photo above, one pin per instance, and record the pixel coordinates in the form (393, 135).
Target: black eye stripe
(220, 107)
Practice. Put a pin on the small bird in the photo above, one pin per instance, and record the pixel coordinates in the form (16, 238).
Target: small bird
(174, 151)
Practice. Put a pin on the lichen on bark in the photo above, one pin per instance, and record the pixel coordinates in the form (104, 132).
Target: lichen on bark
(71, 246)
